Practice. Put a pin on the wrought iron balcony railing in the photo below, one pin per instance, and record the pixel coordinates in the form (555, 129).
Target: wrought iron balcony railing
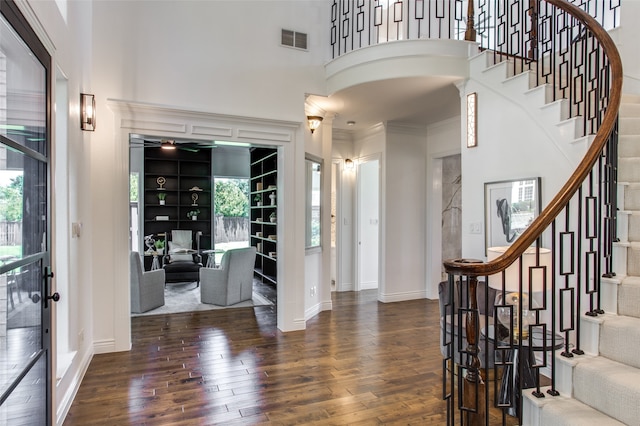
(360, 23)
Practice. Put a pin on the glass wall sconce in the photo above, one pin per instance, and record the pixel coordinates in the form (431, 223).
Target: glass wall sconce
(472, 120)
(314, 122)
(348, 164)
(87, 112)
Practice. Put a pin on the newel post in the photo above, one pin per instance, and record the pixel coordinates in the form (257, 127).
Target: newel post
(470, 33)
(473, 399)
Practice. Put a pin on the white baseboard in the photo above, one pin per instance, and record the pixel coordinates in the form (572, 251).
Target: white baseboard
(104, 346)
(402, 296)
(67, 400)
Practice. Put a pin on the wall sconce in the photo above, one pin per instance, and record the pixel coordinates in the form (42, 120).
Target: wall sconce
(472, 120)
(348, 164)
(314, 122)
(87, 112)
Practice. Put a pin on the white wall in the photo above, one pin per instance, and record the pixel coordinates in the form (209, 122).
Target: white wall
(511, 145)
(405, 214)
(218, 56)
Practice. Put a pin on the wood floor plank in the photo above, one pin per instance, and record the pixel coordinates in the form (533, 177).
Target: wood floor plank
(363, 363)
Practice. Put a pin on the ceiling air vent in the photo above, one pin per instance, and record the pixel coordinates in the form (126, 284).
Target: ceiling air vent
(294, 39)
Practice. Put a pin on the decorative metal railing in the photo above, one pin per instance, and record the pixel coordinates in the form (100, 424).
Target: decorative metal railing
(360, 23)
(550, 276)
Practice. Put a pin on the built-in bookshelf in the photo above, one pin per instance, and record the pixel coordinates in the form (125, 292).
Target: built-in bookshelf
(264, 210)
(176, 184)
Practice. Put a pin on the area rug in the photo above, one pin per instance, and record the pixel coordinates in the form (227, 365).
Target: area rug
(185, 297)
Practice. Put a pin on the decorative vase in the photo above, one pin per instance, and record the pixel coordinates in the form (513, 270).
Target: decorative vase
(272, 197)
(194, 217)
(259, 203)
(162, 202)
(273, 219)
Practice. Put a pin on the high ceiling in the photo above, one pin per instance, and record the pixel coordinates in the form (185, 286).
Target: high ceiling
(414, 101)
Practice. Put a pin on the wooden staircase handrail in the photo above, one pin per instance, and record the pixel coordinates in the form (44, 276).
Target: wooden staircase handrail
(558, 203)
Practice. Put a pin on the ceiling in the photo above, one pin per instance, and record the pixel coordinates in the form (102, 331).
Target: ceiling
(411, 100)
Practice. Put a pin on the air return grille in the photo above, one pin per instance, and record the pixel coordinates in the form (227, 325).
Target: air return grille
(294, 39)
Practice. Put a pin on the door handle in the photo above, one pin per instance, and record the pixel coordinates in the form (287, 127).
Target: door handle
(48, 274)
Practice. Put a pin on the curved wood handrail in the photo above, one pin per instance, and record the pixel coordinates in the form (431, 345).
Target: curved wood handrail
(553, 209)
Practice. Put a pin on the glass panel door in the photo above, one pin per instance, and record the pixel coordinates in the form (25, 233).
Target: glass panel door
(25, 338)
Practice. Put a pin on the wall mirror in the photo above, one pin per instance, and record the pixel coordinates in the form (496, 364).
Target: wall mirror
(313, 189)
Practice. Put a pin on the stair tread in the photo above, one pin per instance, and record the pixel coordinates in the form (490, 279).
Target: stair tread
(631, 279)
(564, 411)
(608, 386)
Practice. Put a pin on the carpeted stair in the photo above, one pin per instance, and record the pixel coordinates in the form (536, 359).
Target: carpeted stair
(603, 387)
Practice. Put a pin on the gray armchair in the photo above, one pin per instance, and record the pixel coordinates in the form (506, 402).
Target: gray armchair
(147, 288)
(232, 282)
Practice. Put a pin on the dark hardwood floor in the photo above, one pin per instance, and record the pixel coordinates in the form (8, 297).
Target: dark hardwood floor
(363, 363)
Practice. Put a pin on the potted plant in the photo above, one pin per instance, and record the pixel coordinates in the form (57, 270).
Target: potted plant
(161, 197)
(193, 214)
(258, 199)
(159, 246)
(272, 217)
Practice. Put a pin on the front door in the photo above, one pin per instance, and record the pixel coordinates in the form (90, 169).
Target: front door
(25, 276)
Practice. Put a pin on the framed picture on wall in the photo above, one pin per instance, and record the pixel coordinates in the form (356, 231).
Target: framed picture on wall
(510, 206)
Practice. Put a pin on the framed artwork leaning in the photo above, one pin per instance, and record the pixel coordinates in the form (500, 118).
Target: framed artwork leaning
(510, 206)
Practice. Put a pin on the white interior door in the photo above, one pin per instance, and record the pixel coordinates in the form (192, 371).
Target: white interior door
(368, 213)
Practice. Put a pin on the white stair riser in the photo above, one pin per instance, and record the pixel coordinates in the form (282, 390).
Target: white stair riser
(634, 226)
(629, 126)
(632, 197)
(629, 294)
(629, 110)
(629, 169)
(633, 260)
(622, 187)
(629, 146)
(609, 293)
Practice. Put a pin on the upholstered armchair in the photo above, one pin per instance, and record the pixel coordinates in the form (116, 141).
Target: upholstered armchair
(182, 262)
(147, 288)
(232, 282)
